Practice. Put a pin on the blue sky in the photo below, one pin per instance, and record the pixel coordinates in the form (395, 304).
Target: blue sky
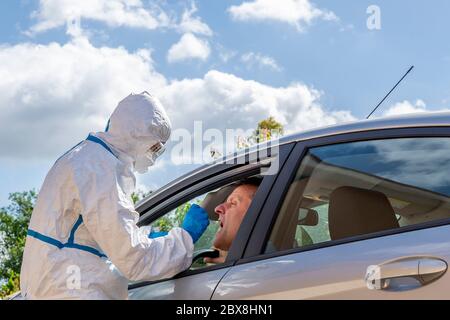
(229, 68)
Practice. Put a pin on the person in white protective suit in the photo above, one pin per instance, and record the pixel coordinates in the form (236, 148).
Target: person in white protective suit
(83, 241)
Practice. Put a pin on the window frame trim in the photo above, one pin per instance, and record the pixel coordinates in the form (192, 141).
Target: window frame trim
(261, 233)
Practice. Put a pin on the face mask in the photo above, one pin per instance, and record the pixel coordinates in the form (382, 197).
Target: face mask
(143, 162)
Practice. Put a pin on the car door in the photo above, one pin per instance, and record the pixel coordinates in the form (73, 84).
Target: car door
(379, 212)
(200, 282)
(195, 283)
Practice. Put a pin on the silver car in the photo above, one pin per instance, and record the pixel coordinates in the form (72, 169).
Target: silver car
(356, 211)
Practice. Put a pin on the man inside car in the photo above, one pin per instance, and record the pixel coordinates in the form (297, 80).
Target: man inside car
(231, 212)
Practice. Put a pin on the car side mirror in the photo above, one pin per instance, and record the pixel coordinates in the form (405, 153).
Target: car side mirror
(308, 217)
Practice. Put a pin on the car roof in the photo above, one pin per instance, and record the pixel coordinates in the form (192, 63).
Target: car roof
(425, 119)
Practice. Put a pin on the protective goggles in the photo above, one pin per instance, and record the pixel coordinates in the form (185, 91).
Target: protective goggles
(157, 149)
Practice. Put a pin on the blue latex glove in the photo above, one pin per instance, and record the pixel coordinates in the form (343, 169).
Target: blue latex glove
(195, 222)
(157, 234)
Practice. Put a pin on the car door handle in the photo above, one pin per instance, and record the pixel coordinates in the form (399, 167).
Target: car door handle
(405, 273)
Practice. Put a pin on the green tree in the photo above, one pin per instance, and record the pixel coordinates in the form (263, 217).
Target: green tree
(14, 220)
(266, 130)
(139, 195)
(172, 219)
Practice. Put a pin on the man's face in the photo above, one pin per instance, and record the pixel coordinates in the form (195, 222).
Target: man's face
(231, 213)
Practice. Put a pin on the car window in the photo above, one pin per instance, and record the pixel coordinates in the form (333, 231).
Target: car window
(358, 188)
(175, 218)
(232, 200)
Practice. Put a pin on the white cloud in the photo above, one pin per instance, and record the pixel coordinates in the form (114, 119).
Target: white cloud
(190, 24)
(189, 47)
(115, 13)
(299, 13)
(53, 95)
(251, 58)
(405, 107)
(225, 55)
(222, 100)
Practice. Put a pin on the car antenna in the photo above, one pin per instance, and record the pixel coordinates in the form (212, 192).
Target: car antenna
(409, 70)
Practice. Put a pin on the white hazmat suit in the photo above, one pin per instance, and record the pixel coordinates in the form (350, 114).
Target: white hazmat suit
(83, 242)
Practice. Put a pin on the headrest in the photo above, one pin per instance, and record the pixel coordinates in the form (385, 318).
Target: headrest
(354, 211)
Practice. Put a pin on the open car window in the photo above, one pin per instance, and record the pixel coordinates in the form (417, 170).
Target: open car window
(209, 201)
(175, 218)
